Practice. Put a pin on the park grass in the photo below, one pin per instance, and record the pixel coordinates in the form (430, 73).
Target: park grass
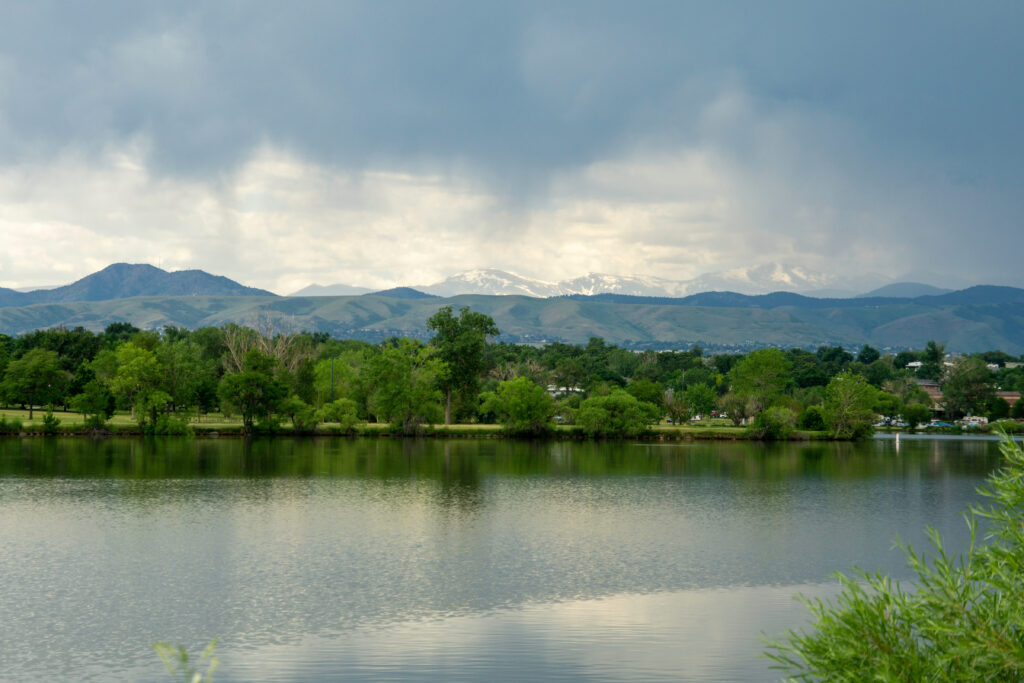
(120, 423)
(218, 424)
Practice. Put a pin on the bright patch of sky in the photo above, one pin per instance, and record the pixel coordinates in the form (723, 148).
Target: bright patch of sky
(382, 144)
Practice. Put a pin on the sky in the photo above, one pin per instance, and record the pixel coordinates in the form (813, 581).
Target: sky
(394, 143)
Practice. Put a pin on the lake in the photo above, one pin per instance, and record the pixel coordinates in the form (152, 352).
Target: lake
(447, 560)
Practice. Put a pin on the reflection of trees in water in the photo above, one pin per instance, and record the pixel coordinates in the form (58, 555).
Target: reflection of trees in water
(461, 466)
(460, 489)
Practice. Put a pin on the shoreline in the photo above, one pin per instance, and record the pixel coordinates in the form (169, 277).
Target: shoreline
(664, 433)
(458, 431)
(380, 430)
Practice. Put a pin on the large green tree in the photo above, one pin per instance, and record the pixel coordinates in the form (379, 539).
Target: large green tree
(460, 343)
(916, 414)
(94, 401)
(676, 406)
(569, 372)
(808, 370)
(761, 377)
(966, 387)
(646, 390)
(182, 372)
(932, 359)
(256, 391)
(344, 375)
(403, 378)
(523, 407)
(868, 355)
(735, 407)
(34, 379)
(835, 359)
(132, 373)
(701, 399)
(849, 406)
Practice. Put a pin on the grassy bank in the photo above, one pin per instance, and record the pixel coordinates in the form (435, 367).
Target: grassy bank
(121, 424)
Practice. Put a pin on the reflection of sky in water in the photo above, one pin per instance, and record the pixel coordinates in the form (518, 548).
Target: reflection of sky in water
(429, 556)
(710, 634)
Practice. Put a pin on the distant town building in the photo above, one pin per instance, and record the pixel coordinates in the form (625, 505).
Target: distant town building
(931, 387)
(556, 391)
(1010, 397)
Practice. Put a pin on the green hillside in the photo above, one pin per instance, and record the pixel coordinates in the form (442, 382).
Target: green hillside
(899, 323)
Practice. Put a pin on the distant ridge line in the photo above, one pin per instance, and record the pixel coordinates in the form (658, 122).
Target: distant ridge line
(976, 295)
(976, 319)
(402, 293)
(127, 280)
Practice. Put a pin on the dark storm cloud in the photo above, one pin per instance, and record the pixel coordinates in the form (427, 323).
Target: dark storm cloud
(527, 86)
(870, 121)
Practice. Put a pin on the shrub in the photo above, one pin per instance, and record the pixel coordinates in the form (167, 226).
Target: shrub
(51, 424)
(267, 425)
(916, 414)
(812, 419)
(10, 425)
(616, 415)
(566, 409)
(95, 423)
(305, 419)
(962, 621)
(303, 416)
(343, 411)
(1008, 426)
(773, 424)
(165, 425)
(524, 407)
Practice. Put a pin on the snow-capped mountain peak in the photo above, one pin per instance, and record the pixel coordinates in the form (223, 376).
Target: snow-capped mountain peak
(635, 285)
(491, 281)
(760, 279)
(756, 279)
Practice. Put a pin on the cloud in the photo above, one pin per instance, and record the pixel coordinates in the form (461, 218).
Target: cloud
(382, 144)
(281, 221)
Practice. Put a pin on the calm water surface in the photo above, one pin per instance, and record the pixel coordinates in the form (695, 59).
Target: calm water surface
(446, 560)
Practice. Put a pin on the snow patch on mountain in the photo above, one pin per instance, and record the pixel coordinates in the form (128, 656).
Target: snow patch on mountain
(757, 279)
(760, 279)
(492, 281)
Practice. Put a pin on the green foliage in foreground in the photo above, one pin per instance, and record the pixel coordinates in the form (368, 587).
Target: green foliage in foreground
(963, 621)
(182, 668)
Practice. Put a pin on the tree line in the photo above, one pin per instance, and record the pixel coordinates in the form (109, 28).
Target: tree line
(267, 376)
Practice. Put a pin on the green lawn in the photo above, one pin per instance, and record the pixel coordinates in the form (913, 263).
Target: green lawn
(211, 421)
(705, 429)
(120, 418)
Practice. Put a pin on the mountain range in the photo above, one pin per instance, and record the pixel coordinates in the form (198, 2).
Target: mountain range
(124, 280)
(761, 279)
(973, 319)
